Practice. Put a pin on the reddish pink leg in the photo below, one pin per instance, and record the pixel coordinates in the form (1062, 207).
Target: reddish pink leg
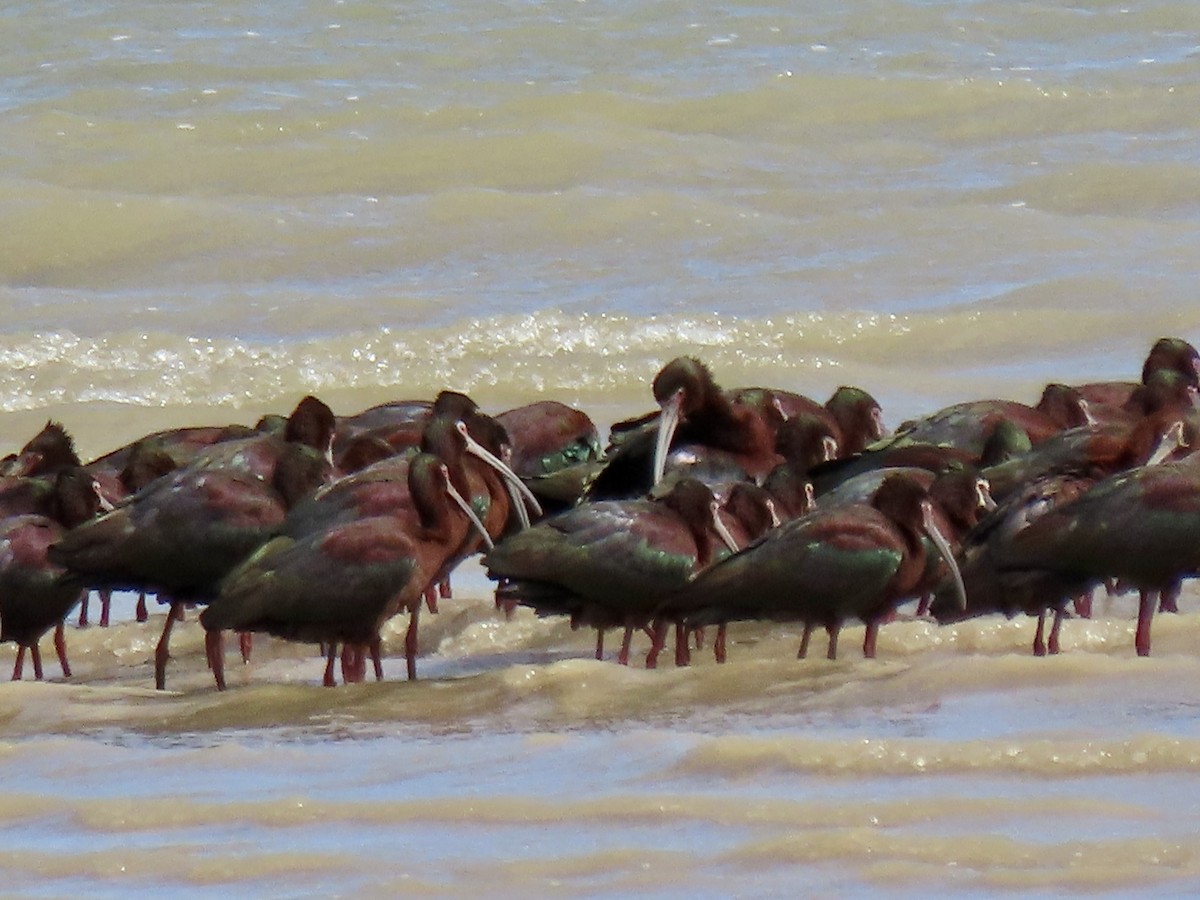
(60, 648)
(444, 590)
(804, 638)
(683, 653)
(19, 665)
(431, 599)
(245, 644)
(626, 640)
(1141, 640)
(141, 613)
(214, 649)
(35, 655)
(105, 607)
(162, 651)
(719, 643)
(410, 643)
(870, 638)
(599, 643)
(923, 605)
(330, 657)
(833, 631)
(83, 609)
(1039, 641)
(658, 637)
(1052, 643)
(1083, 605)
(376, 650)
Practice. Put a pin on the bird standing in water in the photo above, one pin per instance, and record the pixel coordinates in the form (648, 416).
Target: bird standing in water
(854, 561)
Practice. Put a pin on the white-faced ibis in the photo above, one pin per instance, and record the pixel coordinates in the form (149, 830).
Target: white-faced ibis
(1170, 354)
(1093, 452)
(50, 450)
(128, 469)
(1138, 526)
(336, 512)
(36, 594)
(990, 588)
(855, 561)
(610, 563)
(693, 413)
(398, 424)
(339, 584)
(805, 442)
(969, 426)
(555, 451)
(184, 532)
(852, 416)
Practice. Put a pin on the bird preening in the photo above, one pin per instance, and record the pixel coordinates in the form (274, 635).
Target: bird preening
(719, 506)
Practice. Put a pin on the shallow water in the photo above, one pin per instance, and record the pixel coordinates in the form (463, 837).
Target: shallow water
(210, 210)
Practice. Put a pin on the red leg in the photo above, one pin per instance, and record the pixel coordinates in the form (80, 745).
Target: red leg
(1083, 605)
(431, 599)
(214, 649)
(870, 638)
(833, 631)
(658, 637)
(105, 606)
(60, 648)
(1039, 641)
(1052, 643)
(141, 612)
(683, 654)
(245, 644)
(410, 643)
(376, 651)
(719, 644)
(444, 590)
(330, 658)
(162, 651)
(35, 656)
(1141, 640)
(626, 640)
(599, 643)
(923, 605)
(19, 664)
(698, 634)
(83, 610)
(808, 630)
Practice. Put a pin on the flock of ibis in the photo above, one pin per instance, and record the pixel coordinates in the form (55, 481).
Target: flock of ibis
(720, 506)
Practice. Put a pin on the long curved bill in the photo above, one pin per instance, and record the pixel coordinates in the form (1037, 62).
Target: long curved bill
(668, 421)
(510, 477)
(462, 504)
(1171, 441)
(943, 547)
(518, 503)
(721, 528)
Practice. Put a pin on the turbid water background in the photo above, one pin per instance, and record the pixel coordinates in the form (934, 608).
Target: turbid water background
(210, 209)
